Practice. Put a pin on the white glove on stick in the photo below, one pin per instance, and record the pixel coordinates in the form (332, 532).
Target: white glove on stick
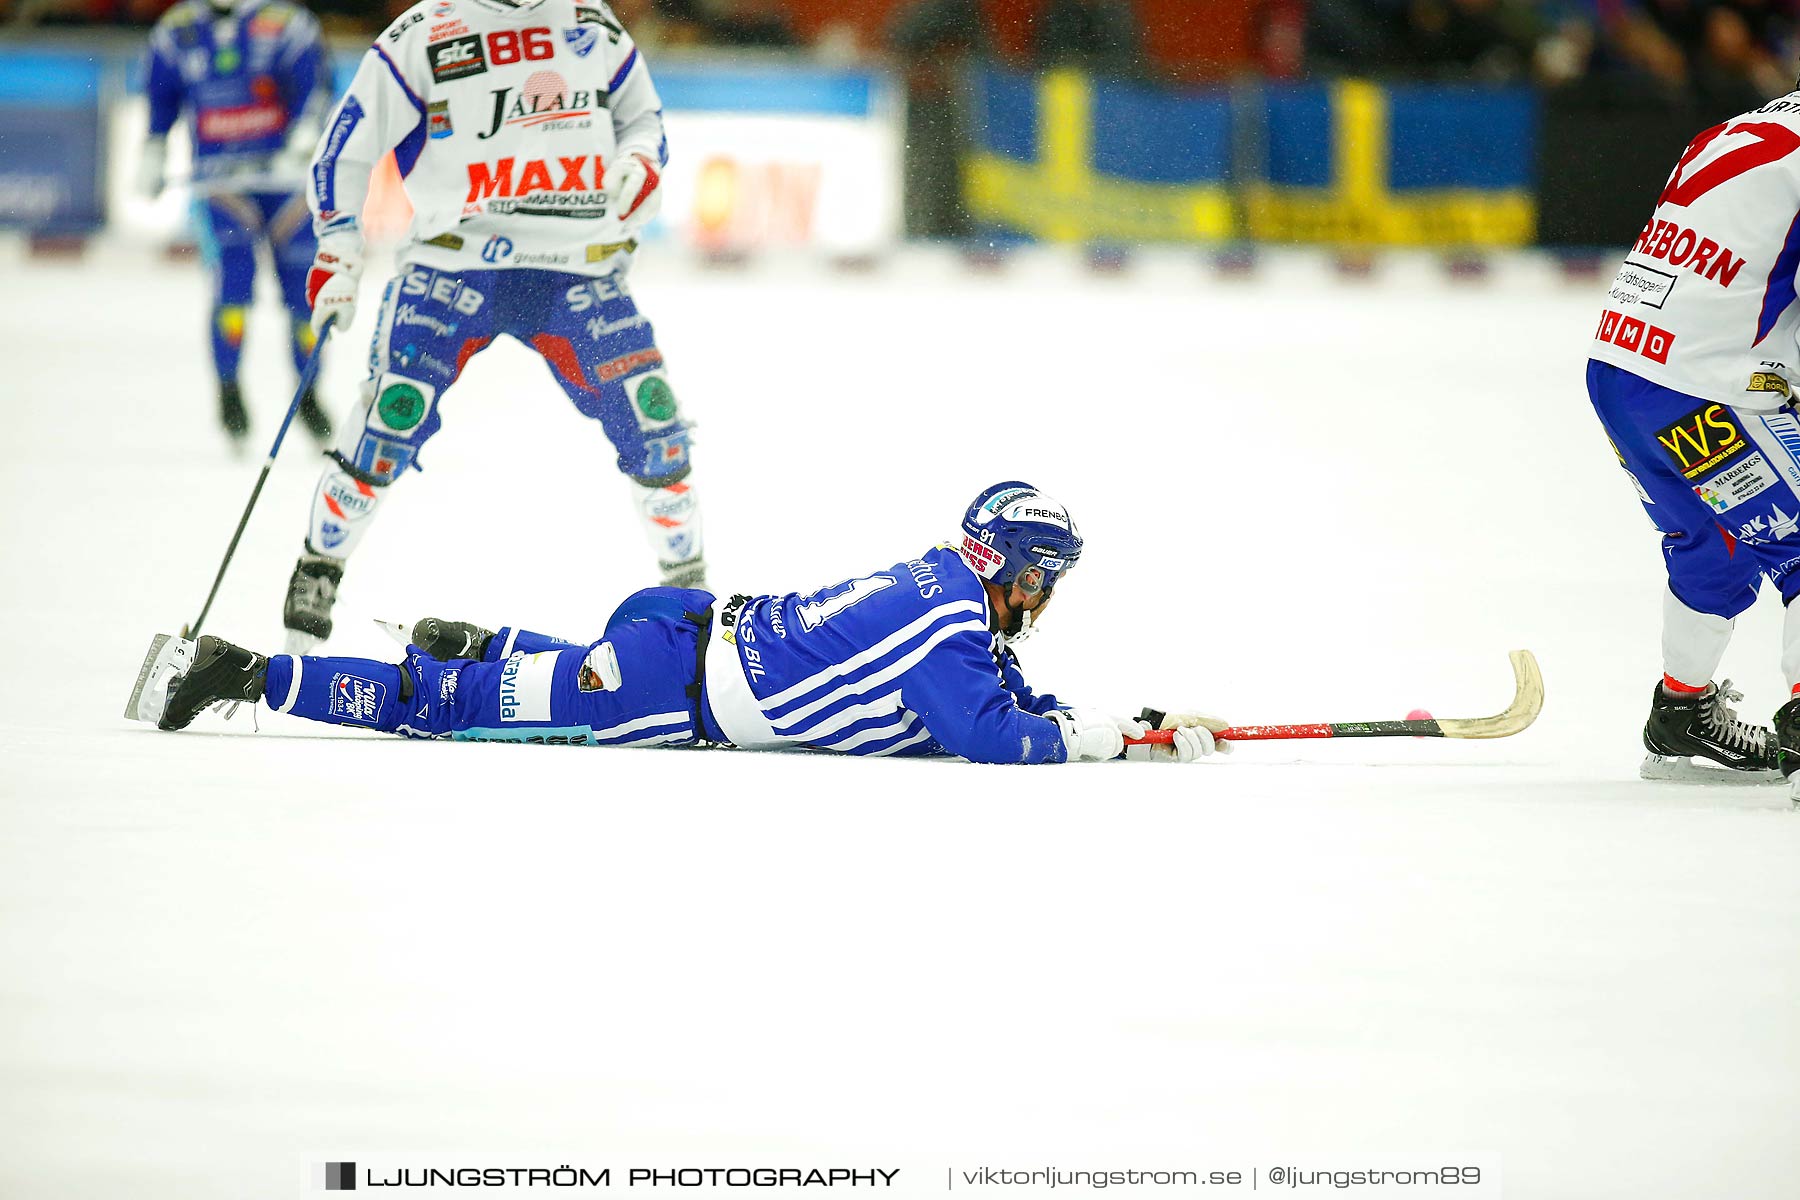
(331, 283)
(1092, 736)
(632, 183)
(1193, 740)
(151, 166)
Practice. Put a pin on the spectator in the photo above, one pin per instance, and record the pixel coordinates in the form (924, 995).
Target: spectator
(1096, 35)
(757, 23)
(935, 41)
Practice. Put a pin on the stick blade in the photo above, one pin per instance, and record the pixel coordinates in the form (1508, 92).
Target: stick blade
(1528, 702)
(167, 660)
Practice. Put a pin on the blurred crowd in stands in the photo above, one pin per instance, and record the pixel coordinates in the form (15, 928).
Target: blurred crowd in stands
(1719, 55)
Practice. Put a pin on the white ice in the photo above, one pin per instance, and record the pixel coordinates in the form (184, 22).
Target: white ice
(229, 954)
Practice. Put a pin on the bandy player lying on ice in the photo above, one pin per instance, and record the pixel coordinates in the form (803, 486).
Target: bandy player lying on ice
(531, 140)
(1691, 374)
(914, 660)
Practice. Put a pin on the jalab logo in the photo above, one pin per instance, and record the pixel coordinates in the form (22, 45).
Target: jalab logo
(339, 1176)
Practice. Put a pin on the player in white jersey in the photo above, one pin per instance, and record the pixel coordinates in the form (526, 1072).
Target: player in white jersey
(1691, 373)
(530, 138)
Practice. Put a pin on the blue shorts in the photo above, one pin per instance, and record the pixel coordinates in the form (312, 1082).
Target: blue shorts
(1722, 484)
(600, 349)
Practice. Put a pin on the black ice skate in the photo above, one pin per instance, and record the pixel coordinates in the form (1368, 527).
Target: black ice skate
(232, 413)
(180, 678)
(1686, 729)
(314, 418)
(312, 590)
(1787, 746)
(445, 640)
(689, 574)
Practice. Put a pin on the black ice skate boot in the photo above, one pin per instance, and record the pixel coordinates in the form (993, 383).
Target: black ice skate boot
(445, 640)
(312, 590)
(222, 674)
(1787, 745)
(314, 418)
(1703, 725)
(232, 414)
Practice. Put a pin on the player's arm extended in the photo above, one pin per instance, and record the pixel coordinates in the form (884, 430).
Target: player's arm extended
(382, 111)
(956, 693)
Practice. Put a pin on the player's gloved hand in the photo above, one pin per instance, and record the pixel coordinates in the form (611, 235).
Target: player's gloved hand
(1091, 736)
(632, 183)
(149, 181)
(331, 283)
(1193, 740)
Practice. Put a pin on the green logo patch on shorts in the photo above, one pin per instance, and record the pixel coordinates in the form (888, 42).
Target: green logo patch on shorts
(656, 399)
(401, 406)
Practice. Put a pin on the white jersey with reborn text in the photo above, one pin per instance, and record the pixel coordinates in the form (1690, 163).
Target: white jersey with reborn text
(503, 118)
(1704, 302)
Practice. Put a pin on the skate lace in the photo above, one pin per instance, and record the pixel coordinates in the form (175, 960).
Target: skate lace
(1721, 721)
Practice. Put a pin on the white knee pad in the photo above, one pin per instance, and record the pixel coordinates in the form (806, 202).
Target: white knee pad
(341, 509)
(671, 516)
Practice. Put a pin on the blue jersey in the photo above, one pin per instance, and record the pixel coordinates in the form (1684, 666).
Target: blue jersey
(901, 662)
(247, 78)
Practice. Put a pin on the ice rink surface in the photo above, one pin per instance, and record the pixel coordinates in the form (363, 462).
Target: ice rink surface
(227, 955)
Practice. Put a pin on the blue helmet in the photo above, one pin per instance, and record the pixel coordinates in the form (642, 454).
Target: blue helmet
(1014, 534)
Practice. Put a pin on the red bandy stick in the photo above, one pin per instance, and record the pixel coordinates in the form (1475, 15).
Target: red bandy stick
(1528, 701)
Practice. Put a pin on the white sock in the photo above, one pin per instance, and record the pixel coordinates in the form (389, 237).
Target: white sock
(1693, 643)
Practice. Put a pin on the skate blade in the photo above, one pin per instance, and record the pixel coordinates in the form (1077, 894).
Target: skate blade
(394, 629)
(168, 659)
(1686, 770)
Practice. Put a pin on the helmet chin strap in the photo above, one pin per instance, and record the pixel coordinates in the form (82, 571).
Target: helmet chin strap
(1018, 628)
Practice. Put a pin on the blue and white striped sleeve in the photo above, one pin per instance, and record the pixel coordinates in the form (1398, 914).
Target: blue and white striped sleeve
(970, 712)
(382, 111)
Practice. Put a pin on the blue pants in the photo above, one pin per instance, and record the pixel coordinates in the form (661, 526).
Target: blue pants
(636, 686)
(601, 351)
(231, 225)
(1722, 484)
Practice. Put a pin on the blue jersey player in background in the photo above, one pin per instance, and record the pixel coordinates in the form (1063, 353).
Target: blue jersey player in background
(914, 660)
(250, 77)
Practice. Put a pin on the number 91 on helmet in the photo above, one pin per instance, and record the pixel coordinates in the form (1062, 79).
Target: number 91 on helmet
(1016, 536)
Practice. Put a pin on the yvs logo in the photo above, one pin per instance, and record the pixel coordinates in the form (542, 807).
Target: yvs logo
(1703, 441)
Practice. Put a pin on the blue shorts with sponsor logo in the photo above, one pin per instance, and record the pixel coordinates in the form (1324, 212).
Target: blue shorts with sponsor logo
(1721, 483)
(600, 350)
(635, 686)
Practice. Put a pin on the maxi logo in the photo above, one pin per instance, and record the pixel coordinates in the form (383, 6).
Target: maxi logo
(1703, 442)
(401, 406)
(537, 188)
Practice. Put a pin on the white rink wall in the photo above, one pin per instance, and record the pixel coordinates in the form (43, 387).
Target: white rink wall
(232, 955)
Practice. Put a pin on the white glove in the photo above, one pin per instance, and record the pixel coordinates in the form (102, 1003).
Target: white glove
(151, 165)
(331, 283)
(632, 186)
(1193, 740)
(1093, 736)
